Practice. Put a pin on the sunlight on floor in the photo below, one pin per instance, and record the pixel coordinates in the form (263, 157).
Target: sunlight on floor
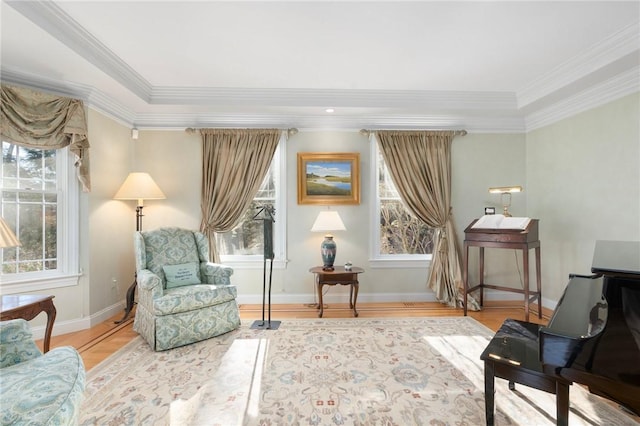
(233, 391)
(522, 405)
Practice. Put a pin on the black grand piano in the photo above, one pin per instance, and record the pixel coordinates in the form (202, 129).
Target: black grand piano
(593, 337)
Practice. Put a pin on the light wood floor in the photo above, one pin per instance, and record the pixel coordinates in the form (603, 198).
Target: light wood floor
(97, 343)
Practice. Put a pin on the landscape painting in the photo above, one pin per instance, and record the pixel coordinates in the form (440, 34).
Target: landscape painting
(328, 178)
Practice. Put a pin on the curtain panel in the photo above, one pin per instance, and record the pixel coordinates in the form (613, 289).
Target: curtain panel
(420, 165)
(43, 121)
(234, 164)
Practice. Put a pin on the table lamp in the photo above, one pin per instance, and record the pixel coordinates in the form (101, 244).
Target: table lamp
(328, 221)
(7, 237)
(505, 198)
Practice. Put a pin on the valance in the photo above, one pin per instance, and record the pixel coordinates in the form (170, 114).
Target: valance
(44, 121)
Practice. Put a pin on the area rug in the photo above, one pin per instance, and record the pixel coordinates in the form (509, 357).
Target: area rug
(414, 371)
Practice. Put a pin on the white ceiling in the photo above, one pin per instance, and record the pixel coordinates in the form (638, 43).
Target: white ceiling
(479, 65)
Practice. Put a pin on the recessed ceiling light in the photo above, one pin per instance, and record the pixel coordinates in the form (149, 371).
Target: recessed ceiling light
(329, 110)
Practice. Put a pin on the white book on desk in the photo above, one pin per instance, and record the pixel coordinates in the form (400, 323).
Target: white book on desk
(498, 221)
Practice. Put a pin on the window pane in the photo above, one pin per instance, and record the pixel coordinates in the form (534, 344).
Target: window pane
(29, 205)
(400, 231)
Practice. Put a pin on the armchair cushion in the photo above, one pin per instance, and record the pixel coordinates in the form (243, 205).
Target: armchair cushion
(183, 274)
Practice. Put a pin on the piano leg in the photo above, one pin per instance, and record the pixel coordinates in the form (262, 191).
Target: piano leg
(489, 392)
(562, 403)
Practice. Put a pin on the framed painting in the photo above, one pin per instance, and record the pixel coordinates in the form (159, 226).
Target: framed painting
(328, 178)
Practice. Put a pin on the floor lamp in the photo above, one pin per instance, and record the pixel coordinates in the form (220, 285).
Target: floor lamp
(140, 187)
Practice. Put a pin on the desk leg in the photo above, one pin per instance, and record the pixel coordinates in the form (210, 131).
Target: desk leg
(354, 289)
(525, 272)
(50, 310)
(562, 404)
(539, 282)
(481, 276)
(489, 392)
(465, 276)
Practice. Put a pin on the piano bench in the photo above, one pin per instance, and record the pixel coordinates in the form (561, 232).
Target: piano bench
(513, 355)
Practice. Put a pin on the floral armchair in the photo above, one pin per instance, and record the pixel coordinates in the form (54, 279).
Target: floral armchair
(182, 297)
(37, 388)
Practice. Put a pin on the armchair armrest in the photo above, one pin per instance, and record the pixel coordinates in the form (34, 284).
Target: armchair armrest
(215, 273)
(16, 343)
(149, 287)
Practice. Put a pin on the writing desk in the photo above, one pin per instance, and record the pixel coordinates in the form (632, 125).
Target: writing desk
(504, 239)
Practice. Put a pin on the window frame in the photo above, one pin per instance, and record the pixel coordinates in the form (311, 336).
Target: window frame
(376, 258)
(255, 261)
(67, 272)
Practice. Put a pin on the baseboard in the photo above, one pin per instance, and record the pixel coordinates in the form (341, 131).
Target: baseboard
(78, 324)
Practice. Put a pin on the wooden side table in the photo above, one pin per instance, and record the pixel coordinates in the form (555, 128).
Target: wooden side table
(28, 306)
(338, 276)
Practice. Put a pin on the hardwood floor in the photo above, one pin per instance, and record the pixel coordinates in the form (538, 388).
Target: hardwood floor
(97, 343)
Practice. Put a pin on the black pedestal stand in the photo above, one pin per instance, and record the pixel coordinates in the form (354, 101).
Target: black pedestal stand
(267, 219)
(266, 325)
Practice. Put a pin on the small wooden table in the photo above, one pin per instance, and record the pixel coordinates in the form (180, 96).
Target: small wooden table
(513, 354)
(28, 306)
(338, 276)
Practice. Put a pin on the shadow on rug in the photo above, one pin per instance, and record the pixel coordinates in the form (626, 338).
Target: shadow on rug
(417, 371)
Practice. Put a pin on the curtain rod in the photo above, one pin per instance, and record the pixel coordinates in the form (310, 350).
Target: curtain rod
(290, 131)
(367, 132)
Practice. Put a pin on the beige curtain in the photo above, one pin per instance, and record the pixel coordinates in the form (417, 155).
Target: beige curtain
(420, 166)
(43, 121)
(234, 164)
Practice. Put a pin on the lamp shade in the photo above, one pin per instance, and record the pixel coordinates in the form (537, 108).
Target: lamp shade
(7, 237)
(503, 189)
(139, 186)
(328, 220)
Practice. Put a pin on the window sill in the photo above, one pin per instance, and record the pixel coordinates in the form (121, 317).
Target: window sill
(400, 263)
(26, 285)
(254, 264)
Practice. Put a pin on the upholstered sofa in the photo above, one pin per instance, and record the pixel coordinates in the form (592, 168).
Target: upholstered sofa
(182, 297)
(36, 388)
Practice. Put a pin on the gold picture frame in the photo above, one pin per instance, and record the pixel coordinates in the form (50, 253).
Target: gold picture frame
(329, 178)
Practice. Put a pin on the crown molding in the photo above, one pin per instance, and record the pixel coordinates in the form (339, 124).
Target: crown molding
(614, 88)
(609, 50)
(52, 19)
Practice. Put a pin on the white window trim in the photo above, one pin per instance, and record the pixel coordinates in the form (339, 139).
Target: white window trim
(280, 224)
(67, 274)
(377, 260)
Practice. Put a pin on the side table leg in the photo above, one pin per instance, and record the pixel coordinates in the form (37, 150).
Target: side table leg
(489, 381)
(50, 310)
(525, 272)
(321, 304)
(354, 287)
(539, 281)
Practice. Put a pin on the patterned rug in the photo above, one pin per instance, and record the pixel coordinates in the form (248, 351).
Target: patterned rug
(414, 371)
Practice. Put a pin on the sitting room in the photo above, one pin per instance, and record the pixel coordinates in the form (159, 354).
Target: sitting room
(263, 212)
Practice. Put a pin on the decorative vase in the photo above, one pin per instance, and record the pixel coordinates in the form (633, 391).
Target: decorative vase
(328, 251)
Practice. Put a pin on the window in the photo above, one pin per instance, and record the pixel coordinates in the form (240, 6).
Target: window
(243, 246)
(39, 200)
(398, 237)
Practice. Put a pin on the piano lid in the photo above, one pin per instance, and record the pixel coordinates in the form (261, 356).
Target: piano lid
(616, 257)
